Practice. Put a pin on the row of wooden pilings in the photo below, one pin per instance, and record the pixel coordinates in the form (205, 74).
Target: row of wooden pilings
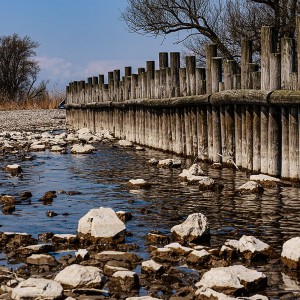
(256, 130)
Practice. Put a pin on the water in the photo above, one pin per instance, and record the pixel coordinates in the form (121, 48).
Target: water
(273, 216)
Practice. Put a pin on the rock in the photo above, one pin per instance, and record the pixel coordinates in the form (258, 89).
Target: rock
(82, 149)
(35, 249)
(265, 180)
(8, 208)
(14, 240)
(207, 294)
(57, 148)
(194, 179)
(41, 259)
(198, 257)
(82, 253)
(124, 216)
(48, 196)
(138, 184)
(206, 183)
(194, 229)
(124, 281)
(142, 298)
(169, 163)
(152, 267)
(153, 161)
(45, 237)
(64, 241)
(37, 288)
(251, 187)
(13, 169)
(139, 148)
(124, 143)
(110, 270)
(36, 148)
(83, 131)
(51, 213)
(154, 238)
(117, 255)
(233, 280)
(25, 195)
(253, 248)
(217, 166)
(290, 255)
(77, 276)
(7, 199)
(179, 249)
(102, 224)
(195, 170)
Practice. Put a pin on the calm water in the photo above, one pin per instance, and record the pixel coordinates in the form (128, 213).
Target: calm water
(273, 217)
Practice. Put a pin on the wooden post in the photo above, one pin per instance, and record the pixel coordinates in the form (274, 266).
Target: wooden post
(273, 142)
(202, 132)
(285, 160)
(287, 61)
(238, 135)
(298, 47)
(210, 141)
(216, 123)
(190, 75)
(216, 73)
(244, 138)
(230, 68)
(178, 144)
(163, 60)
(237, 81)
(133, 86)
(264, 139)
(117, 78)
(200, 81)
(246, 58)
(128, 71)
(249, 137)
(268, 45)
(211, 51)
(175, 65)
(256, 80)
(157, 88)
(275, 70)
(182, 76)
(256, 139)
(294, 143)
(150, 77)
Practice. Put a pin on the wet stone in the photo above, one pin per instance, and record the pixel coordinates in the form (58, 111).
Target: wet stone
(41, 259)
(153, 238)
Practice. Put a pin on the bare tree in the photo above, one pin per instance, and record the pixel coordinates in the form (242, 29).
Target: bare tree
(18, 69)
(224, 22)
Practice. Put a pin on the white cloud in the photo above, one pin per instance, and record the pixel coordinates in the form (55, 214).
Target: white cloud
(55, 67)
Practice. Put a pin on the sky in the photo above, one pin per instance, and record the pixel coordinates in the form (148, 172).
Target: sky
(80, 38)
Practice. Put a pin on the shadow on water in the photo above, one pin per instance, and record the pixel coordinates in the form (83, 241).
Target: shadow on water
(101, 178)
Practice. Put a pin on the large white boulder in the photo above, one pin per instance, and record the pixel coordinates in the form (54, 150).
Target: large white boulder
(290, 254)
(102, 224)
(251, 187)
(233, 280)
(78, 276)
(37, 288)
(194, 229)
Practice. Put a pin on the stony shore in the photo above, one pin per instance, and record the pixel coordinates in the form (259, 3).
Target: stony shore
(32, 120)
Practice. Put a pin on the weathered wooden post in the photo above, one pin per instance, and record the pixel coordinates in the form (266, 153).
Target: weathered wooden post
(211, 51)
(285, 157)
(246, 59)
(298, 47)
(273, 142)
(175, 65)
(230, 68)
(190, 75)
(150, 67)
(200, 81)
(264, 138)
(256, 139)
(294, 143)
(110, 77)
(268, 45)
(287, 61)
(182, 80)
(275, 71)
(163, 65)
(117, 78)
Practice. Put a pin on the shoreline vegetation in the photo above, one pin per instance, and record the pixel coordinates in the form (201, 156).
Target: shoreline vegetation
(47, 102)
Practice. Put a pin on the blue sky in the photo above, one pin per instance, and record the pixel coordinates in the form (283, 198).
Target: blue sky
(80, 38)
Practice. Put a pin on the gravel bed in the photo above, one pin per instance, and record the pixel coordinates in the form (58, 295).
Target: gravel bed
(33, 120)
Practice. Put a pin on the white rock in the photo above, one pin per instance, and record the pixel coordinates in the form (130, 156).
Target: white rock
(207, 293)
(84, 131)
(194, 179)
(102, 223)
(37, 148)
(153, 161)
(142, 298)
(15, 168)
(169, 162)
(82, 149)
(138, 183)
(56, 148)
(206, 183)
(195, 170)
(251, 187)
(179, 248)
(263, 177)
(82, 253)
(125, 143)
(235, 244)
(194, 228)
(232, 279)
(290, 254)
(37, 288)
(151, 266)
(252, 244)
(76, 276)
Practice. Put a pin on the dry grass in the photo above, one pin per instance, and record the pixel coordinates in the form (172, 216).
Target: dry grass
(47, 102)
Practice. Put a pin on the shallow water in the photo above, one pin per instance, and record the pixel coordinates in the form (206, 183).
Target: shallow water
(101, 178)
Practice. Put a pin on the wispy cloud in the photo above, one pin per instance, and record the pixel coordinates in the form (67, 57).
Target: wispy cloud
(55, 66)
